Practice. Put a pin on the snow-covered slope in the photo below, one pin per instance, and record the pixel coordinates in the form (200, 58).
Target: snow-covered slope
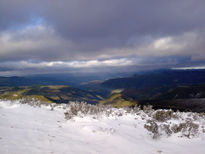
(25, 129)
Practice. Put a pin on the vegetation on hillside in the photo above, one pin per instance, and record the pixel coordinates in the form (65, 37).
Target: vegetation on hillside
(116, 100)
(57, 94)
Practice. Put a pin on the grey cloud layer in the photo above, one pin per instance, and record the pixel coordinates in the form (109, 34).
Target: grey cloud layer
(96, 18)
(86, 30)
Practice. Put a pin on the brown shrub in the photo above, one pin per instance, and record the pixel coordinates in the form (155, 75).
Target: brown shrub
(164, 115)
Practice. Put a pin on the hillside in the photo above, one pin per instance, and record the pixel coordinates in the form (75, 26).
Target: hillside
(57, 94)
(116, 99)
(158, 79)
(181, 89)
(184, 98)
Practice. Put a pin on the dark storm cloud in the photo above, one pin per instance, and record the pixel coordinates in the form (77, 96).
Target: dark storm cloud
(91, 66)
(123, 19)
(84, 30)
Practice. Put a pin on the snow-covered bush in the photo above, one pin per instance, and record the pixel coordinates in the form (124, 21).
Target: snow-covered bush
(152, 127)
(168, 122)
(82, 109)
(157, 122)
(164, 115)
(188, 129)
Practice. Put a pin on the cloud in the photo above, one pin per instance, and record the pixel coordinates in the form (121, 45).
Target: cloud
(41, 42)
(76, 34)
(90, 66)
(189, 68)
(131, 64)
(69, 64)
(37, 42)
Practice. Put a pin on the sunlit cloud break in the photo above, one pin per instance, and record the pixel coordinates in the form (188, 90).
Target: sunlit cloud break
(69, 64)
(189, 68)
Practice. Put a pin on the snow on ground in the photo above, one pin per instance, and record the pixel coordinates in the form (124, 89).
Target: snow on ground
(25, 129)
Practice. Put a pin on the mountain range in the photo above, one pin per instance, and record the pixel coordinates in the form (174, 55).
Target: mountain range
(160, 88)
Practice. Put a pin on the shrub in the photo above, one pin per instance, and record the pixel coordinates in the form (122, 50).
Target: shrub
(152, 127)
(188, 129)
(166, 129)
(68, 116)
(148, 109)
(164, 115)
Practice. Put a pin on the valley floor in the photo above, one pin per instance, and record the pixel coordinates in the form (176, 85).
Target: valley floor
(32, 130)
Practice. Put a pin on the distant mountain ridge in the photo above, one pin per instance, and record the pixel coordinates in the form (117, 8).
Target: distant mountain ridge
(158, 79)
(29, 81)
(15, 81)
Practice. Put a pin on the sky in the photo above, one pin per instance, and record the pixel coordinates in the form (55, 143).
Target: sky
(93, 36)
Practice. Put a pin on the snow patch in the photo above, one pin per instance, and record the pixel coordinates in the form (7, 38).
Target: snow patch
(26, 129)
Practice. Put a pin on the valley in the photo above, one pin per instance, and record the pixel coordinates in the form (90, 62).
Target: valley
(166, 89)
